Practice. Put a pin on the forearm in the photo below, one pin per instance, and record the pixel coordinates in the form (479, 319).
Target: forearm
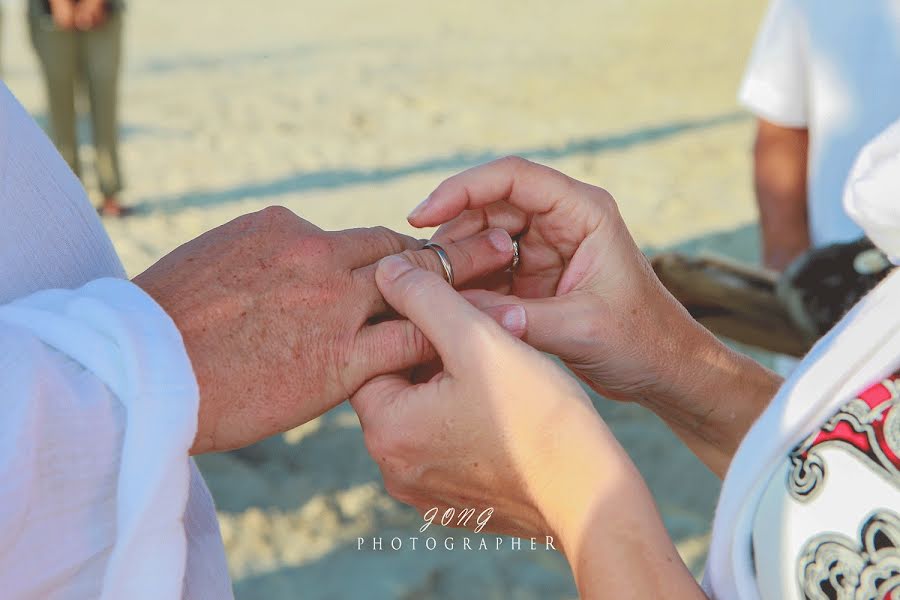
(711, 397)
(628, 554)
(609, 527)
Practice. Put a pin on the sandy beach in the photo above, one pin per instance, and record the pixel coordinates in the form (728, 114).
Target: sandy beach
(350, 112)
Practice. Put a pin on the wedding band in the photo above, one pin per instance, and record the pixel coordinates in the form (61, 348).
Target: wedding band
(515, 260)
(445, 260)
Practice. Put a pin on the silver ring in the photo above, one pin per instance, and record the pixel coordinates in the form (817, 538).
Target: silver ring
(515, 260)
(445, 260)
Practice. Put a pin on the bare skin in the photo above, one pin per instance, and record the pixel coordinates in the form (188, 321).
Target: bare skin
(502, 426)
(282, 321)
(90, 14)
(593, 300)
(63, 12)
(514, 433)
(780, 175)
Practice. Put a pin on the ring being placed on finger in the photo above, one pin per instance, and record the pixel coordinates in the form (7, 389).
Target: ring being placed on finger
(515, 260)
(444, 258)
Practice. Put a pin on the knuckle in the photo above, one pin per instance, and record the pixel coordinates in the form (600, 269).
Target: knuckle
(604, 201)
(417, 341)
(276, 213)
(464, 260)
(424, 259)
(382, 231)
(386, 238)
(515, 163)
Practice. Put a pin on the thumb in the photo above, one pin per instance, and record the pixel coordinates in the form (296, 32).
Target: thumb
(548, 321)
(423, 297)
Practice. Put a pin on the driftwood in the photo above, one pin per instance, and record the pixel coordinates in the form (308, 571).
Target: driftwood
(733, 300)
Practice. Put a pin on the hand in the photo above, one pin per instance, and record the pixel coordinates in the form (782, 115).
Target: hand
(590, 294)
(90, 14)
(283, 321)
(592, 299)
(63, 12)
(503, 427)
(478, 430)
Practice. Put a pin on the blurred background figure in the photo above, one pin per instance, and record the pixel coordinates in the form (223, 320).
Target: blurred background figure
(823, 80)
(79, 46)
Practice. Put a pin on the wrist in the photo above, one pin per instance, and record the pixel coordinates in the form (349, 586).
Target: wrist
(712, 395)
(677, 359)
(584, 465)
(204, 440)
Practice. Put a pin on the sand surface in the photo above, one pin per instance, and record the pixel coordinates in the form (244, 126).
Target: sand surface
(349, 112)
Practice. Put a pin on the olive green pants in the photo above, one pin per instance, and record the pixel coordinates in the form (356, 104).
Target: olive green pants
(90, 60)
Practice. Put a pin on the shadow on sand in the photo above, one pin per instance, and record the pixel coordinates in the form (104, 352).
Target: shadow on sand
(303, 181)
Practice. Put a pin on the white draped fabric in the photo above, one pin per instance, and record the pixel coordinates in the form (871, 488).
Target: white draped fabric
(862, 350)
(98, 497)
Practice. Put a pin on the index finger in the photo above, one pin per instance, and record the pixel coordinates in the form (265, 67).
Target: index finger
(528, 186)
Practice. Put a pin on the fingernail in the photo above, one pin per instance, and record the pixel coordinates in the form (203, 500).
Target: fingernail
(418, 209)
(514, 320)
(500, 240)
(392, 267)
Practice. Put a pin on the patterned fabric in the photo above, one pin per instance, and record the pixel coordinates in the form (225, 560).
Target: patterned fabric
(867, 426)
(833, 566)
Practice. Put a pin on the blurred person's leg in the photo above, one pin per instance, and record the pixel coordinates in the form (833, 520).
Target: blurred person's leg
(100, 57)
(56, 51)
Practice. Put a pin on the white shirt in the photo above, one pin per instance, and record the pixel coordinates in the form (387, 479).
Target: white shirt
(98, 405)
(833, 67)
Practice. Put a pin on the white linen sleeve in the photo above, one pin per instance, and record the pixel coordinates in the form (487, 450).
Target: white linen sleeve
(775, 84)
(99, 410)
